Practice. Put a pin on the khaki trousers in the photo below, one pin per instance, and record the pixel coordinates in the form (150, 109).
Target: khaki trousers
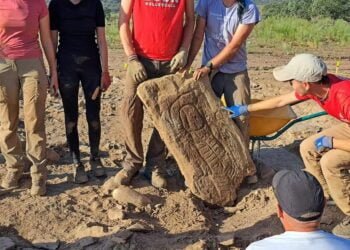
(132, 119)
(331, 168)
(28, 75)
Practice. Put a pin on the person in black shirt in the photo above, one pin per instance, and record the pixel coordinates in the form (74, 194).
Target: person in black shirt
(78, 24)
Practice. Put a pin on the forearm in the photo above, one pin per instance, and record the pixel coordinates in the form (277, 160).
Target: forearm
(196, 41)
(275, 102)
(189, 25)
(102, 44)
(126, 40)
(50, 54)
(54, 38)
(341, 144)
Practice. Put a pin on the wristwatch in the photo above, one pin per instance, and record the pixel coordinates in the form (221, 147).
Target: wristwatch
(209, 65)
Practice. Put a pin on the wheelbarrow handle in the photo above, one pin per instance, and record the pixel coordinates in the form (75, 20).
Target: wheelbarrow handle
(290, 124)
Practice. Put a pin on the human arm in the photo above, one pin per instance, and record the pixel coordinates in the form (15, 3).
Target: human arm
(49, 51)
(135, 68)
(239, 37)
(275, 102)
(196, 40)
(180, 59)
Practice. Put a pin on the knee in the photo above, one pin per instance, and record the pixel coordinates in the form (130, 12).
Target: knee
(307, 147)
(70, 126)
(329, 163)
(95, 124)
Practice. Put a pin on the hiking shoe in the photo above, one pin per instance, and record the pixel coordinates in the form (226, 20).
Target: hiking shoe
(97, 167)
(79, 174)
(12, 178)
(124, 176)
(343, 228)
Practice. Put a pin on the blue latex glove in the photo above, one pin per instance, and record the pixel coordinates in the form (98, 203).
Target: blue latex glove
(237, 110)
(324, 142)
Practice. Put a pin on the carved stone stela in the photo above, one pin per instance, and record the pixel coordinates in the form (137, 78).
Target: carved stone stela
(206, 144)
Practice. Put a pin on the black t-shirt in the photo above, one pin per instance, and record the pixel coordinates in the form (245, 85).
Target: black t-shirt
(77, 25)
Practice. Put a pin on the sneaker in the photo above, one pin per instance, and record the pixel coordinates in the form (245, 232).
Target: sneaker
(343, 228)
(79, 174)
(11, 179)
(124, 176)
(157, 176)
(97, 167)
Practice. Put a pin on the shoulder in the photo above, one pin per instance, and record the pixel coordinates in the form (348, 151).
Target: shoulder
(337, 242)
(268, 243)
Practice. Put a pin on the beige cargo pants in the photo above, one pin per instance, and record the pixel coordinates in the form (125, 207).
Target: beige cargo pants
(331, 168)
(28, 75)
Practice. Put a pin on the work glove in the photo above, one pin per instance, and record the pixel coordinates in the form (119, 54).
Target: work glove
(237, 110)
(179, 60)
(323, 143)
(136, 70)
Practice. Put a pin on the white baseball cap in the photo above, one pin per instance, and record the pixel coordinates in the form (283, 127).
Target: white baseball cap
(302, 67)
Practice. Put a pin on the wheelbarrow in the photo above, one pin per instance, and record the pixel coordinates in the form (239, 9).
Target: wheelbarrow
(268, 125)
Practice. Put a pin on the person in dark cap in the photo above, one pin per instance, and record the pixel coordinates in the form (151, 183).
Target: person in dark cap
(300, 206)
(326, 155)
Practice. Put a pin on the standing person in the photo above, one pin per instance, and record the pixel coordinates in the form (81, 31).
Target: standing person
(300, 206)
(21, 67)
(326, 155)
(81, 59)
(226, 25)
(156, 45)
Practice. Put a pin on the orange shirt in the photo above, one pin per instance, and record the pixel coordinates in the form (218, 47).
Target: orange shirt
(158, 28)
(19, 27)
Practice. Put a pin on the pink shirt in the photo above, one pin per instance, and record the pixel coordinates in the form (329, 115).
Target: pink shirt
(19, 27)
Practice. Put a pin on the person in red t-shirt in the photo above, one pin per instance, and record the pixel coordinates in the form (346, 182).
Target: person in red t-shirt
(326, 155)
(22, 68)
(156, 45)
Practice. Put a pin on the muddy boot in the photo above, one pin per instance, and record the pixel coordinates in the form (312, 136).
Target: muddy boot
(124, 176)
(97, 167)
(39, 183)
(11, 178)
(79, 175)
(343, 228)
(157, 176)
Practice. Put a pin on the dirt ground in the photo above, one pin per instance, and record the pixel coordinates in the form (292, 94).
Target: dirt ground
(75, 216)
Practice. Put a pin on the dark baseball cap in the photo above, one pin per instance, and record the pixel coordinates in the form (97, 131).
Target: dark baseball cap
(299, 194)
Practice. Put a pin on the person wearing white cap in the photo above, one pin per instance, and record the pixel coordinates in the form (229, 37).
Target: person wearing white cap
(326, 155)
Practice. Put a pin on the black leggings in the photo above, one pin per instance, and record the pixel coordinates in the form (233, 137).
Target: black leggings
(72, 70)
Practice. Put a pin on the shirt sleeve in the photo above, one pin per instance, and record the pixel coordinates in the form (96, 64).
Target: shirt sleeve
(54, 20)
(43, 11)
(100, 15)
(202, 8)
(251, 14)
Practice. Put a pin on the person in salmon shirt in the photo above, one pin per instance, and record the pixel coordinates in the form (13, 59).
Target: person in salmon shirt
(326, 155)
(22, 68)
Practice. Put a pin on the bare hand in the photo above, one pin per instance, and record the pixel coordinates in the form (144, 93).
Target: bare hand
(201, 72)
(105, 81)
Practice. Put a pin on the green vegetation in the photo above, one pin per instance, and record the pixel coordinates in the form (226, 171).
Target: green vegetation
(112, 32)
(309, 9)
(292, 31)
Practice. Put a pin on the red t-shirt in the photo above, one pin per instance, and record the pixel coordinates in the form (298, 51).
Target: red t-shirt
(158, 28)
(19, 27)
(338, 102)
